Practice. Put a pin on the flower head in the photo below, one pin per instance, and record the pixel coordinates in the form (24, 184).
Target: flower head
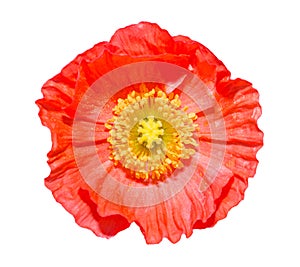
(149, 128)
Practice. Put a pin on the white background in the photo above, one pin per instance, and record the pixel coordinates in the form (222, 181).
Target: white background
(257, 41)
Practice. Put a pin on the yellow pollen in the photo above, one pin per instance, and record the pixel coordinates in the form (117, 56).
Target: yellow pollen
(150, 131)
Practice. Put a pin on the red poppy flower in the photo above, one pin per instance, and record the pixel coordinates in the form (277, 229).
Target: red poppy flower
(149, 128)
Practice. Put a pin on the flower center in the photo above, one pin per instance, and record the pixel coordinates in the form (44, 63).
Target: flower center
(150, 131)
(150, 134)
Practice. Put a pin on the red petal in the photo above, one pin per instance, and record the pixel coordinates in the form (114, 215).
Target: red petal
(143, 39)
(107, 226)
(241, 110)
(70, 190)
(229, 88)
(231, 195)
(173, 217)
(203, 62)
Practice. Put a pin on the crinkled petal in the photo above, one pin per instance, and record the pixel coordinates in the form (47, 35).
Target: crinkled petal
(72, 192)
(238, 101)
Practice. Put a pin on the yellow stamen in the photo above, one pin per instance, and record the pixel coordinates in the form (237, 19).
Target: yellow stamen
(150, 134)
